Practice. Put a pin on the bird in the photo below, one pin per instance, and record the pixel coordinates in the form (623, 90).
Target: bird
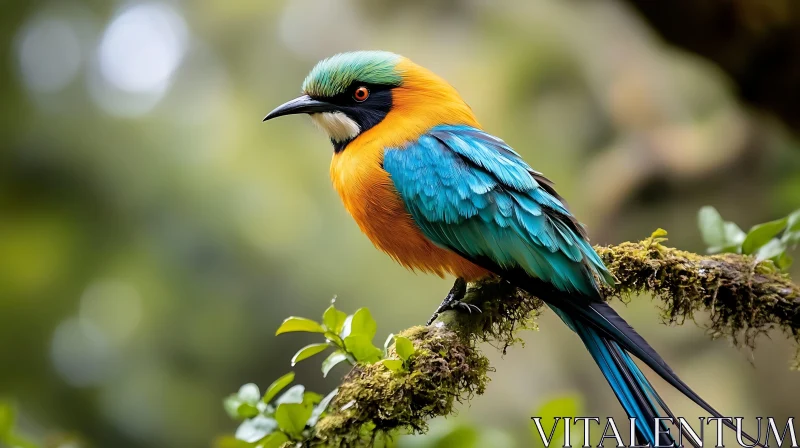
(436, 192)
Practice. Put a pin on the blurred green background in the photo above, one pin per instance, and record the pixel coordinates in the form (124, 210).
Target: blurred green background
(154, 233)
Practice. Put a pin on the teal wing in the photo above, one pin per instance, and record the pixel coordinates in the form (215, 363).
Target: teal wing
(471, 193)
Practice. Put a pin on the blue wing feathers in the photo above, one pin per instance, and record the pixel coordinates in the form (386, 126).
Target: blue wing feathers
(469, 192)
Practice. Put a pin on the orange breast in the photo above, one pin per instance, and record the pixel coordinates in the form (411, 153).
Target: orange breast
(367, 190)
(370, 197)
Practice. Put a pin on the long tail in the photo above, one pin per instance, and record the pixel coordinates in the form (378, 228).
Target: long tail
(609, 340)
(636, 395)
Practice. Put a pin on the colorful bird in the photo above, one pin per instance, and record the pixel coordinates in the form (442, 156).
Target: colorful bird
(438, 194)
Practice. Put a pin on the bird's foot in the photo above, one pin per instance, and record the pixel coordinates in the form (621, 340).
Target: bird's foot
(453, 301)
(462, 306)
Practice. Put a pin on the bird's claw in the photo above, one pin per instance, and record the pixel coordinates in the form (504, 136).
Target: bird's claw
(468, 307)
(455, 305)
(453, 300)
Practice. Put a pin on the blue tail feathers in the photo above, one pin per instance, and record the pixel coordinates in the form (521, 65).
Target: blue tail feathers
(611, 342)
(634, 392)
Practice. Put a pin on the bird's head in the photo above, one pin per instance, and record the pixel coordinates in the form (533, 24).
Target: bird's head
(351, 94)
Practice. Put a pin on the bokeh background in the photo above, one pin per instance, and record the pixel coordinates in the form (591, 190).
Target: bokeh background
(154, 233)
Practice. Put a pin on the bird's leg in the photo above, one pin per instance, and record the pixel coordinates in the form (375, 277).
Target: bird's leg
(452, 300)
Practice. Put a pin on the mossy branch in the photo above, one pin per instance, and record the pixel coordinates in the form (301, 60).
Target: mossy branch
(743, 298)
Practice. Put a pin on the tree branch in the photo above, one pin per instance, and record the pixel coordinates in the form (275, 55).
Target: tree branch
(743, 297)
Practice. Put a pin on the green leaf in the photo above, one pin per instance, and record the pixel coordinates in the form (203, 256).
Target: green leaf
(793, 221)
(791, 238)
(561, 406)
(277, 386)
(231, 405)
(334, 319)
(395, 365)
(293, 395)
(347, 327)
(246, 410)
(387, 343)
(309, 351)
(321, 407)
(404, 347)
(256, 428)
(734, 236)
(292, 417)
(299, 324)
(7, 419)
(732, 249)
(772, 249)
(658, 233)
(242, 404)
(360, 346)
(311, 398)
(334, 339)
(719, 235)
(249, 393)
(363, 324)
(460, 436)
(227, 441)
(784, 261)
(712, 227)
(332, 360)
(761, 234)
(658, 236)
(274, 440)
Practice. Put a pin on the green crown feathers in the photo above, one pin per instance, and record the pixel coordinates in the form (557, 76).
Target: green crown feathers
(334, 75)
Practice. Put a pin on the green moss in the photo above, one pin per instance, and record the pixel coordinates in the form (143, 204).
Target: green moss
(445, 369)
(743, 297)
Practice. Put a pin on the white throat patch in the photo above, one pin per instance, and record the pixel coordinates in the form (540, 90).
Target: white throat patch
(337, 125)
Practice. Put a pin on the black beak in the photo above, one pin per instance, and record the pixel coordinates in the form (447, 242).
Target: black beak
(302, 105)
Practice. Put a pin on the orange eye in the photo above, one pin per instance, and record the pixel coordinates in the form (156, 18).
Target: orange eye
(361, 94)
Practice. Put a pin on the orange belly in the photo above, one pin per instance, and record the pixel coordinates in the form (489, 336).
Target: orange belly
(370, 197)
